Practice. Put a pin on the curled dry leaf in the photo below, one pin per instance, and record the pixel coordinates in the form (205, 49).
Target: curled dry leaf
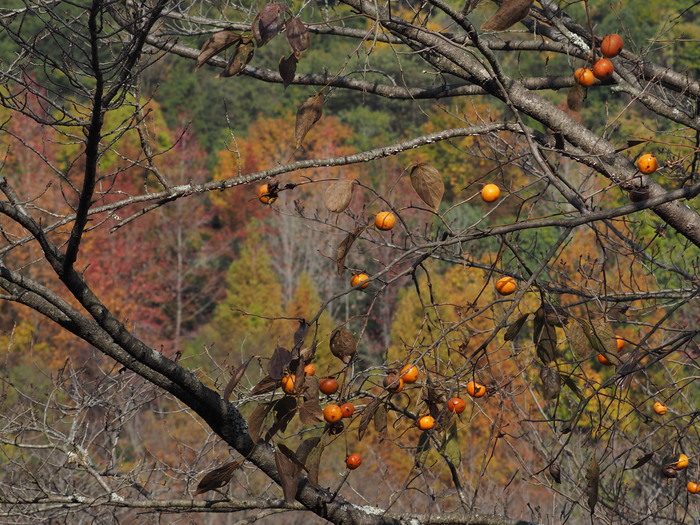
(256, 420)
(284, 409)
(380, 420)
(338, 196)
(241, 56)
(288, 68)
(642, 461)
(592, 481)
(450, 445)
(265, 385)
(511, 12)
(218, 477)
(344, 247)
(343, 344)
(427, 183)
(297, 35)
(307, 115)
(555, 472)
(216, 44)
(575, 97)
(267, 22)
(289, 477)
(281, 357)
(235, 379)
(514, 329)
(551, 381)
(367, 416)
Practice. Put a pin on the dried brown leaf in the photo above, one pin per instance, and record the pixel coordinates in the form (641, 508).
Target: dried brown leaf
(287, 69)
(289, 479)
(300, 333)
(216, 44)
(305, 448)
(380, 420)
(545, 338)
(592, 481)
(642, 461)
(218, 477)
(344, 247)
(256, 420)
(555, 472)
(575, 97)
(428, 184)
(514, 329)
(280, 359)
(297, 35)
(241, 56)
(367, 416)
(265, 385)
(268, 23)
(284, 409)
(343, 344)
(235, 379)
(310, 412)
(338, 196)
(307, 115)
(511, 12)
(551, 381)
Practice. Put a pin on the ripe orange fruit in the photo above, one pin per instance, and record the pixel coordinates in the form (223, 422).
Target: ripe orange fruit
(360, 278)
(329, 386)
(490, 192)
(647, 163)
(353, 461)
(265, 196)
(693, 488)
(332, 413)
(288, 384)
(384, 220)
(603, 69)
(660, 408)
(456, 405)
(310, 369)
(611, 45)
(506, 285)
(584, 76)
(604, 360)
(620, 343)
(474, 389)
(393, 383)
(682, 462)
(347, 409)
(426, 422)
(409, 373)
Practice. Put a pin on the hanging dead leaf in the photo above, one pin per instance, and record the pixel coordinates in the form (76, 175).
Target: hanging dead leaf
(310, 388)
(514, 329)
(241, 56)
(287, 69)
(551, 381)
(297, 35)
(367, 416)
(450, 445)
(642, 461)
(343, 344)
(313, 461)
(602, 339)
(216, 44)
(267, 23)
(428, 184)
(575, 97)
(289, 479)
(298, 464)
(338, 196)
(300, 333)
(284, 409)
(510, 13)
(218, 477)
(578, 340)
(265, 385)
(555, 472)
(344, 247)
(307, 115)
(310, 412)
(281, 357)
(545, 338)
(235, 379)
(380, 420)
(256, 420)
(592, 481)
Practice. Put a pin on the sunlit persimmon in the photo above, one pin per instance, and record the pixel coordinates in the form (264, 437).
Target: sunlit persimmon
(426, 422)
(611, 45)
(506, 285)
(603, 69)
(647, 163)
(456, 405)
(660, 408)
(347, 409)
(360, 279)
(409, 373)
(475, 389)
(584, 76)
(393, 383)
(310, 369)
(332, 413)
(384, 220)
(490, 192)
(353, 461)
(288, 384)
(620, 343)
(693, 487)
(328, 386)
(682, 462)
(265, 196)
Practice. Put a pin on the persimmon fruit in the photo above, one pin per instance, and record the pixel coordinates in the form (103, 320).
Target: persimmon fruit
(361, 279)
(426, 422)
(584, 76)
(288, 384)
(506, 285)
(693, 487)
(604, 360)
(611, 45)
(353, 461)
(647, 163)
(620, 343)
(384, 220)
(682, 462)
(456, 405)
(660, 408)
(328, 386)
(603, 69)
(347, 409)
(310, 369)
(490, 192)
(332, 413)
(264, 194)
(409, 373)
(393, 383)
(475, 389)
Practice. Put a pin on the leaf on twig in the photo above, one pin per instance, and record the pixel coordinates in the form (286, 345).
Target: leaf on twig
(307, 115)
(555, 472)
(344, 247)
(545, 338)
(575, 97)
(450, 445)
(287, 69)
(216, 44)
(380, 420)
(338, 196)
(297, 35)
(265, 385)
(235, 379)
(289, 478)
(300, 333)
(428, 184)
(510, 13)
(514, 329)
(256, 420)
(367, 416)
(241, 56)
(267, 22)
(592, 481)
(284, 408)
(281, 357)
(218, 477)
(310, 412)
(343, 344)
(551, 381)
(642, 461)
